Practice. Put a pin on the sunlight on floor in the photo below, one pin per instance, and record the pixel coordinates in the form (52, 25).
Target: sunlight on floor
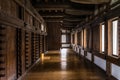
(63, 54)
(63, 59)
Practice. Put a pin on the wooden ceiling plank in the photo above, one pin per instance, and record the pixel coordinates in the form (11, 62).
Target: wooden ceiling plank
(90, 1)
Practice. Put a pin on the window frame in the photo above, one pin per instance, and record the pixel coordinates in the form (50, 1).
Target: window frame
(117, 44)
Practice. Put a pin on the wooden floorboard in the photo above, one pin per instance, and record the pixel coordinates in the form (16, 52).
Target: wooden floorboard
(64, 66)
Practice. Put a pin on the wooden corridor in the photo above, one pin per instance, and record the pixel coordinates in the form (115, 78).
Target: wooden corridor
(64, 65)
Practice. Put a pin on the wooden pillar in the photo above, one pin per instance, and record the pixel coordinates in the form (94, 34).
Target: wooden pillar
(108, 64)
(83, 39)
(92, 44)
(43, 44)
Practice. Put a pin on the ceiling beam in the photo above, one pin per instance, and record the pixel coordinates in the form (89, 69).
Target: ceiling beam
(52, 6)
(72, 20)
(50, 9)
(50, 16)
(53, 19)
(78, 12)
(90, 1)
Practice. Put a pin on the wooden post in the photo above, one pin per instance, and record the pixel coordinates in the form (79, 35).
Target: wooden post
(108, 64)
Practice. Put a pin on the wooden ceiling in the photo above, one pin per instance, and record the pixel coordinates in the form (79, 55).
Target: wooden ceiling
(90, 1)
(69, 12)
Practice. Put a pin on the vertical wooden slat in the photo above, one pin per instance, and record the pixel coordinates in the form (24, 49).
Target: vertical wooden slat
(32, 48)
(2, 52)
(92, 44)
(19, 52)
(26, 50)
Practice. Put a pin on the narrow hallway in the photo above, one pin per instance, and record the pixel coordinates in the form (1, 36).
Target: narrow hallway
(64, 65)
(59, 39)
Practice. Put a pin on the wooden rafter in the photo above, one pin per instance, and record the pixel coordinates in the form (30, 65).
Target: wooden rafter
(90, 1)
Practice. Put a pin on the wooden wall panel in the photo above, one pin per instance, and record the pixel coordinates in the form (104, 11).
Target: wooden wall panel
(23, 51)
(41, 44)
(6, 6)
(36, 47)
(32, 48)
(13, 8)
(96, 38)
(22, 1)
(3, 52)
(26, 17)
(27, 49)
(54, 36)
(11, 53)
(18, 50)
(44, 43)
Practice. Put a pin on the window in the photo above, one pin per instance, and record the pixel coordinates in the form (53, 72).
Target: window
(63, 39)
(42, 27)
(115, 37)
(103, 37)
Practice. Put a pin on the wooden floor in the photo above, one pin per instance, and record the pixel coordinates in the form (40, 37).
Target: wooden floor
(64, 65)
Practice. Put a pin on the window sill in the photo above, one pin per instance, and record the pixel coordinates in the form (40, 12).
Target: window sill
(116, 57)
(102, 52)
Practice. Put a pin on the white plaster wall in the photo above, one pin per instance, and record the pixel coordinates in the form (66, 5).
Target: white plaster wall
(115, 71)
(65, 45)
(82, 52)
(100, 62)
(89, 56)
